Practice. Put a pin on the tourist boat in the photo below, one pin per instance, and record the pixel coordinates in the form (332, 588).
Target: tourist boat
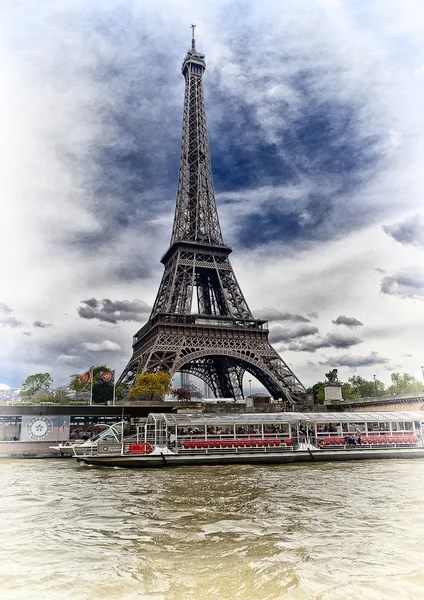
(110, 437)
(261, 438)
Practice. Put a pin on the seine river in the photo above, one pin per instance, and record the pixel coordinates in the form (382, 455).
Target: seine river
(332, 532)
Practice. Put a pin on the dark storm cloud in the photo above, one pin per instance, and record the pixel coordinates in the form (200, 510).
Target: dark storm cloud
(281, 334)
(114, 311)
(325, 144)
(347, 360)
(332, 340)
(348, 321)
(406, 283)
(41, 324)
(410, 231)
(141, 131)
(272, 314)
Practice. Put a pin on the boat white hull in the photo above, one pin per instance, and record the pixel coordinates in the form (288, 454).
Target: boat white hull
(246, 458)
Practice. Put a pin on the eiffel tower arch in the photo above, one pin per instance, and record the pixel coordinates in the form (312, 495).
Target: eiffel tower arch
(200, 323)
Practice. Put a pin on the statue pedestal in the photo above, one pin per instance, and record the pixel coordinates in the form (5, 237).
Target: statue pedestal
(333, 393)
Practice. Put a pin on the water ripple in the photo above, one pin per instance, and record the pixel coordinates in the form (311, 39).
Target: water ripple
(301, 532)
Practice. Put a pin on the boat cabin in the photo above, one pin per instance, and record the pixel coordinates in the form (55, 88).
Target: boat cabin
(188, 433)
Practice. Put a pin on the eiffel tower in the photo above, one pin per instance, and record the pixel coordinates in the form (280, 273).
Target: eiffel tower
(200, 323)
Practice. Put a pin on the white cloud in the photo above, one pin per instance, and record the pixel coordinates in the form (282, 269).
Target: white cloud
(106, 346)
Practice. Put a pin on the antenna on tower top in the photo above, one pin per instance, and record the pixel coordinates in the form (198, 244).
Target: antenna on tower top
(193, 41)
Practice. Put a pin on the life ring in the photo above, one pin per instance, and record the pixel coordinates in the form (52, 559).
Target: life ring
(322, 444)
(105, 448)
(146, 448)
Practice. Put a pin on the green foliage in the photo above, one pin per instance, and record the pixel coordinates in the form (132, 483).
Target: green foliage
(363, 388)
(102, 392)
(404, 384)
(348, 392)
(358, 387)
(77, 387)
(317, 390)
(33, 384)
(149, 386)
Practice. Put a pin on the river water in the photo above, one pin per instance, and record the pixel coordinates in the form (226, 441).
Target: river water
(335, 531)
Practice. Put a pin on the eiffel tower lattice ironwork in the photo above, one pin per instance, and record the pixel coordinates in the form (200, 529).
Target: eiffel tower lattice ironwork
(200, 323)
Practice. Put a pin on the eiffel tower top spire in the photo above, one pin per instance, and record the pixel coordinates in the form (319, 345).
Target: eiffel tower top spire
(193, 41)
(196, 215)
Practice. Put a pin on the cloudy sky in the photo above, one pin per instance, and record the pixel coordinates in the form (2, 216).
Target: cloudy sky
(316, 124)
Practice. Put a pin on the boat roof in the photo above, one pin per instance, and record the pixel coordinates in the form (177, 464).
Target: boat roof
(198, 419)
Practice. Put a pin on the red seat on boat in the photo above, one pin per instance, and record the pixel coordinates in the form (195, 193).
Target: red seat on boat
(277, 443)
(414, 438)
(248, 443)
(289, 442)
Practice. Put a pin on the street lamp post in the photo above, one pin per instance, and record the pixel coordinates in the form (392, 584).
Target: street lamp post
(250, 387)
(375, 386)
(422, 371)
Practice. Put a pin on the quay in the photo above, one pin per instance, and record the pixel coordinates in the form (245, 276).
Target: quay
(27, 431)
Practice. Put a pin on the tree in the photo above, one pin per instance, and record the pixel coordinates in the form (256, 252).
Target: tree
(348, 392)
(317, 390)
(102, 392)
(187, 392)
(404, 384)
(34, 384)
(147, 386)
(364, 388)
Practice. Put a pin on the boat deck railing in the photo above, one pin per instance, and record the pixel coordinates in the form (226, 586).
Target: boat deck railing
(267, 444)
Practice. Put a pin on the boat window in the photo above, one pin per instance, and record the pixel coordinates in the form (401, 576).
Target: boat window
(408, 425)
(353, 427)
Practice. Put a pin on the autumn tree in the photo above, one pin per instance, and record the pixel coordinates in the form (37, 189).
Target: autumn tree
(150, 386)
(187, 392)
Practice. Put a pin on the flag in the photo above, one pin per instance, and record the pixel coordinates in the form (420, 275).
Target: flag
(62, 428)
(86, 377)
(107, 377)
